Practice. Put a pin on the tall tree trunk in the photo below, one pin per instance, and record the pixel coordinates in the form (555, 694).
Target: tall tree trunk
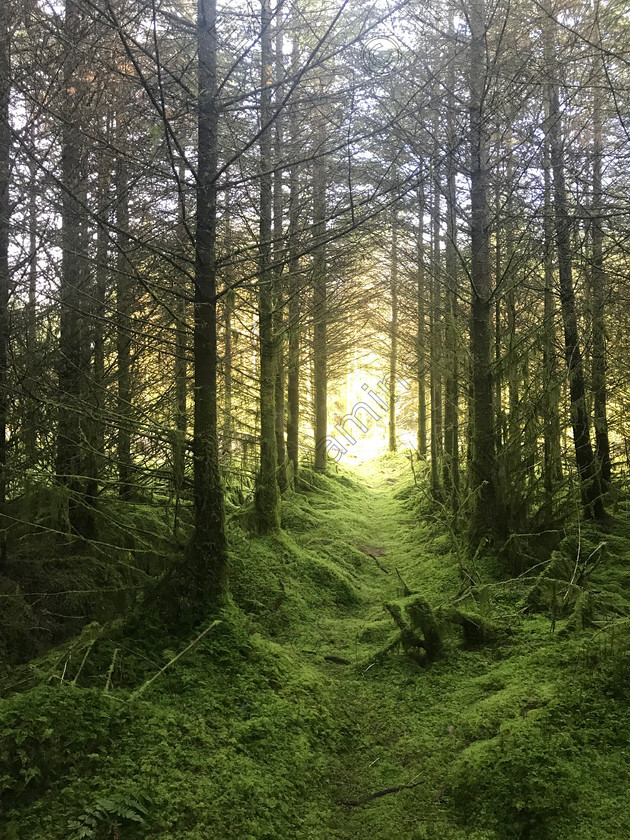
(485, 520)
(278, 258)
(208, 572)
(551, 419)
(96, 455)
(267, 496)
(293, 351)
(73, 276)
(587, 469)
(421, 291)
(451, 381)
(598, 292)
(180, 365)
(393, 350)
(123, 330)
(320, 306)
(228, 364)
(436, 340)
(31, 427)
(5, 172)
(228, 350)
(514, 426)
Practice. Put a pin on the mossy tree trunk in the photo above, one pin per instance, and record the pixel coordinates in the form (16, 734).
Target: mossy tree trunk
(393, 348)
(421, 338)
(482, 467)
(598, 291)
(96, 454)
(293, 350)
(267, 495)
(208, 557)
(436, 334)
(5, 170)
(586, 465)
(278, 258)
(320, 305)
(451, 259)
(124, 305)
(74, 278)
(31, 428)
(180, 361)
(552, 466)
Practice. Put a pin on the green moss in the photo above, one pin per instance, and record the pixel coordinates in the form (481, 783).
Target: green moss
(258, 730)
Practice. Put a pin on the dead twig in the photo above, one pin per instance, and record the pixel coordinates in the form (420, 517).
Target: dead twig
(363, 800)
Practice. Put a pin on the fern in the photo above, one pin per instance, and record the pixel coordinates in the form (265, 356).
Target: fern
(105, 815)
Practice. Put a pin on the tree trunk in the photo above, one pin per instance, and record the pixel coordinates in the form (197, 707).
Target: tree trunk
(551, 418)
(598, 292)
(180, 366)
(73, 277)
(5, 172)
(96, 455)
(589, 475)
(485, 520)
(278, 254)
(436, 340)
(123, 330)
(393, 351)
(320, 314)
(267, 496)
(208, 572)
(422, 393)
(451, 382)
(293, 353)
(31, 427)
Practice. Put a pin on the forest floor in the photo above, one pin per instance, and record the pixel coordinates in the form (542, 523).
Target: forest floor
(284, 721)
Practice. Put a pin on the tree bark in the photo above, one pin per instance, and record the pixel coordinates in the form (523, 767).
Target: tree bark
(451, 381)
(208, 572)
(436, 340)
(96, 455)
(31, 427)
(320, 313)
(278, 259)
(293, 351)
(598, 293)
(485, 520)
(69, 465)
(123, 329)
(180, 366)
(551, 418)
(5, 175)
(393, 350)
(421, 293)
(587, 469)
(267, 495)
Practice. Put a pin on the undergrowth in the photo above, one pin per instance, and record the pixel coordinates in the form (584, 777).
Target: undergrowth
(282, 720)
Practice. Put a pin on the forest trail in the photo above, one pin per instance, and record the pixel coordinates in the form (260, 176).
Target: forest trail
(394, 721)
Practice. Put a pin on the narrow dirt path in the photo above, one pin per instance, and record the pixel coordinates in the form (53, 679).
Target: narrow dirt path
(378, 778)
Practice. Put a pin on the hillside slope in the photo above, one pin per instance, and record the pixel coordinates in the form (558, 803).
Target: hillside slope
(288, 718)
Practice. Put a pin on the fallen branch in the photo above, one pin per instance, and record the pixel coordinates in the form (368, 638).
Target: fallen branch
(145, 685)
(380, 565)
(352, 803)
(406, 591)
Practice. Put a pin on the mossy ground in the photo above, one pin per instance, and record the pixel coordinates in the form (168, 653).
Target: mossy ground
(255, 735)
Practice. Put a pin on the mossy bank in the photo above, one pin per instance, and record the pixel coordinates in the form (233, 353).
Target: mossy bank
(295, 716)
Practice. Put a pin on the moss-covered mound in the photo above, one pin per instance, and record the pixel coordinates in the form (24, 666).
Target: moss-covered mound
(283, 718)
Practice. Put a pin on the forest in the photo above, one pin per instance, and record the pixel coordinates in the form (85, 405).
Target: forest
(314, 437)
